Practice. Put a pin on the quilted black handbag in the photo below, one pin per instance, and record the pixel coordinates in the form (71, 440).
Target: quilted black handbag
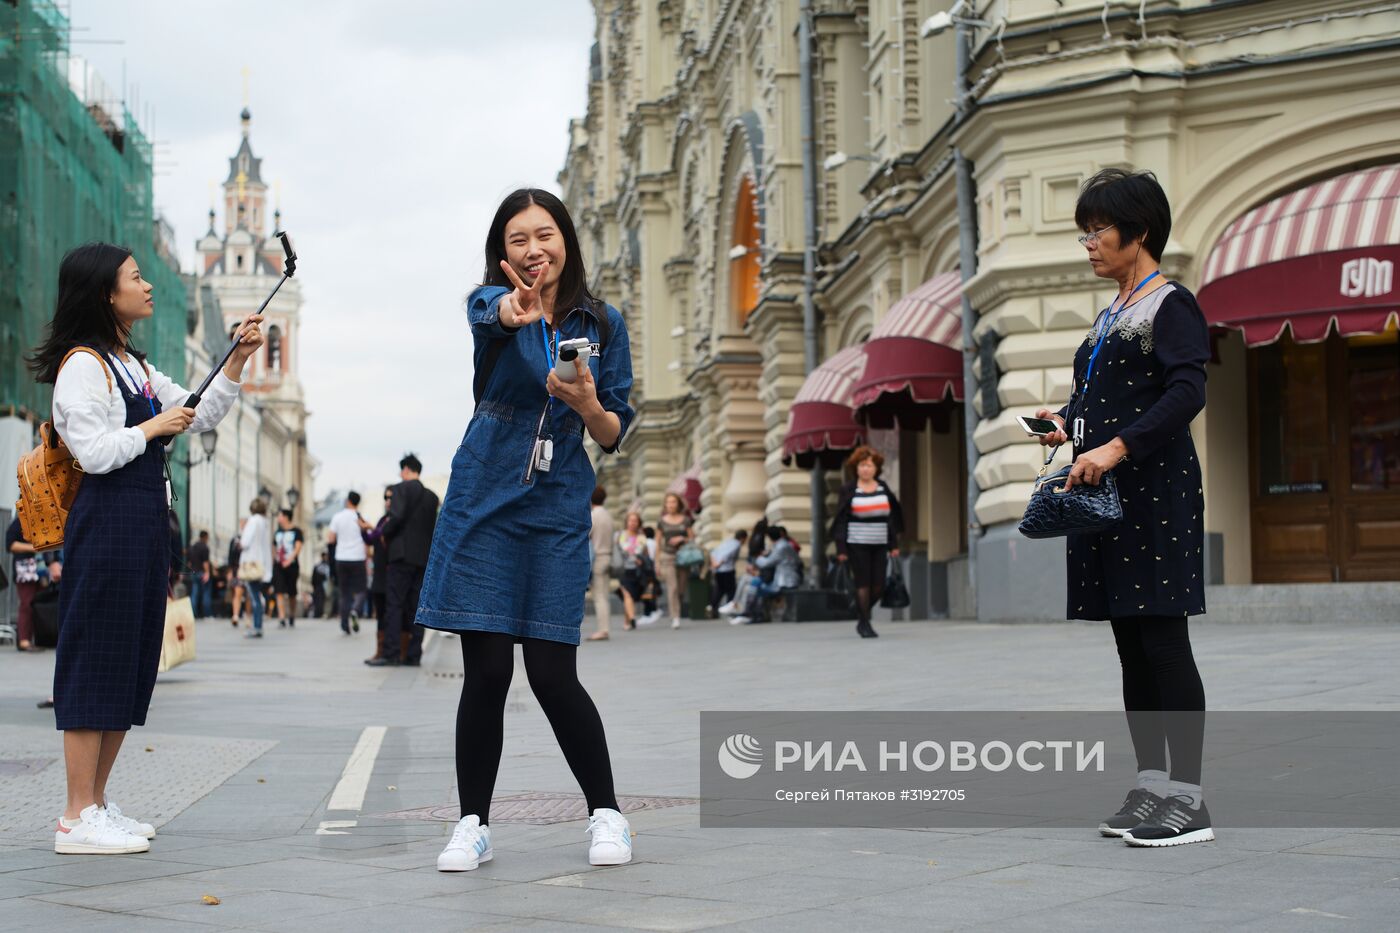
(1053, 511)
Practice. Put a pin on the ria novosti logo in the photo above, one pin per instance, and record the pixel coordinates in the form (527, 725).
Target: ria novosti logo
(740, 756)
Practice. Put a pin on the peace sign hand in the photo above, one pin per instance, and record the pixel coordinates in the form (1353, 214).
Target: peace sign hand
(524, 305)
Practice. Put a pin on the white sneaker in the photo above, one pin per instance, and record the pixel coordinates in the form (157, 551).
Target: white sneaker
(728, 608)
(648, 619)
(469, 847)
(95, 834)
(740, 620)
(675, 622)
(135, 827)
(611, 838)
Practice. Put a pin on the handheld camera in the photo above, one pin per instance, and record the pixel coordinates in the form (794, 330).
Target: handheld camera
(577, 351)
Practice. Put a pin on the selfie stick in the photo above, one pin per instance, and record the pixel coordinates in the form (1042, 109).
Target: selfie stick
(289, 271)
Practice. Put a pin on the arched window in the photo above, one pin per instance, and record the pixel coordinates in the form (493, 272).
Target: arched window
(744, 256)
(274, 349)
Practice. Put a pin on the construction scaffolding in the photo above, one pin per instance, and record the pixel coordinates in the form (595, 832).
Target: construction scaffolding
(74, 167)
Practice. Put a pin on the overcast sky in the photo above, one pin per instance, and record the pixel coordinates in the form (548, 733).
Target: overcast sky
(394, 130)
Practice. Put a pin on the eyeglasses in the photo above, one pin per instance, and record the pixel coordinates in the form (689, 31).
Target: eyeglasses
(1092, 238)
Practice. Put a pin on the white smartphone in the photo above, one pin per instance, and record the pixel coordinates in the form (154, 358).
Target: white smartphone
(1038, 427)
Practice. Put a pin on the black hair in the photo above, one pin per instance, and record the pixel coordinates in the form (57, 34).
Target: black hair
(354, 498)
(1133, 202)
(83, 313)
(412, 463)
(600, 495)
(203, 534)
(573, 281)
(649, 531)
(741, 536)
(776, 533)
(285, 513)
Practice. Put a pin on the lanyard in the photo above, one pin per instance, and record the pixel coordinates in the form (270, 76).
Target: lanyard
(1108, 326)
(548, 355)
(144, 390)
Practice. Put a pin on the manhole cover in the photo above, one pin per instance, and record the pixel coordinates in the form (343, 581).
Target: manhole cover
(12, 766)
(538, 808)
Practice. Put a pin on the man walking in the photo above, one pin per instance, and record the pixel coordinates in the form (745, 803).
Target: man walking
(723, 560)
(287, 542)
(601, 538)
(413, 512)
(201, 576)
(344, 534)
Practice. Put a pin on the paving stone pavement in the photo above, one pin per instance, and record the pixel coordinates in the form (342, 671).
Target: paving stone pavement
(253, 737)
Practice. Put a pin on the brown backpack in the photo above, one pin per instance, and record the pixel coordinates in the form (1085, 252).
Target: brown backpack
(49, 479)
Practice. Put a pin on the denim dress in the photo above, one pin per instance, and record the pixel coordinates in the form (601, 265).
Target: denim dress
(510, 550)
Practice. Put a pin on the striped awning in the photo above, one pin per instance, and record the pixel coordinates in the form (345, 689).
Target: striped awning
(913, 357)
(822, 426)
(1319, 259)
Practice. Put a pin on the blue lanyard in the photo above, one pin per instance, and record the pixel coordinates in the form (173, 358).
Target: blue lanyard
(144, 390)
(549, 355)
(1108, 326)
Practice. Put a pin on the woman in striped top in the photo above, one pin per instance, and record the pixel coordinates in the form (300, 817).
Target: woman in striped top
(867, 526)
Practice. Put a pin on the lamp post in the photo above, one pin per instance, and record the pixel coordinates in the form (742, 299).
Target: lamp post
(293, 497)
(209, 440)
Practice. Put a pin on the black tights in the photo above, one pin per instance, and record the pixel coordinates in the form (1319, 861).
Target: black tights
(489, 661)
(1162, 694)
(868, 565)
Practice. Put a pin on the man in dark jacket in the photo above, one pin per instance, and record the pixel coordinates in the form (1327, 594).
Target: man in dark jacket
(412, 516)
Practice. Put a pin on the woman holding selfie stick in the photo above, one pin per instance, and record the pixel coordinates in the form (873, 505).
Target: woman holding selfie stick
(509, 560)
(112, 410)
(1140, 377)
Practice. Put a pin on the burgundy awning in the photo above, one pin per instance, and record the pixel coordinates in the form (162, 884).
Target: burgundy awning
(1320, 259)
(822, 426)
(913, 360)
(688, 487)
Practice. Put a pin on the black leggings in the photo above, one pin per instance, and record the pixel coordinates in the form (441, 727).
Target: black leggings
(868, 565)
(1162, 694)
(489, 661)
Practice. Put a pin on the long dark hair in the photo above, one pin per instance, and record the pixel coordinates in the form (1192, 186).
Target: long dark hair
(573, 281)
(83, 313)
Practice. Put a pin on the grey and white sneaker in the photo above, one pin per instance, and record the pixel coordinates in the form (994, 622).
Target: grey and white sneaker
(611, 842)
(95, 834)
(1137, 806)
(1173, 823)
(121, 821)
(469, 847)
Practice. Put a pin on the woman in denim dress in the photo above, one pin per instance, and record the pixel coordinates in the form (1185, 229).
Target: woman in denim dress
(509, 560)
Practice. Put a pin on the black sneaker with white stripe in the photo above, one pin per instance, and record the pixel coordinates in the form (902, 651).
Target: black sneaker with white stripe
(1137, 807)
(1173, 823)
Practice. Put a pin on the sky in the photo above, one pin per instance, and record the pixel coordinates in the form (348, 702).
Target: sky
(394, 130)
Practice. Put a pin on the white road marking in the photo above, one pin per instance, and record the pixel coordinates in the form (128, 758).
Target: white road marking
(1318, 913)
(349, 794)
(335, 827)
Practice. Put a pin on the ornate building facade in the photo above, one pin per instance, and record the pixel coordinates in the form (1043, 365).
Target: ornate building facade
(685, 176)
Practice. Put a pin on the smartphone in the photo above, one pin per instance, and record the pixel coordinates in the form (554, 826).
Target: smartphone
(1038, 426)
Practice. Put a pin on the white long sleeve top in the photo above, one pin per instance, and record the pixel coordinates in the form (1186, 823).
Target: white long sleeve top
(256, 541)
(91, 418)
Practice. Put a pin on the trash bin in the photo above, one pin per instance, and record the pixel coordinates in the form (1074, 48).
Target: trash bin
(697, 597)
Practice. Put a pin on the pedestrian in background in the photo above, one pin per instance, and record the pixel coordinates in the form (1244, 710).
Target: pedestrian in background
(287, 542)
(781, 561)
(112, 411)
(724, 559)
(630, 553)
(320, 576)
(255, 562)
(350, 555)
(235, 585)
(378, 574)
(866, 530)
(674, 530)
(413, 510)
(201, 576)
(601, 539)
(651, 584)
(25, 567)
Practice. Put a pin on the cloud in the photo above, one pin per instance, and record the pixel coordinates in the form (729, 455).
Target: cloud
(393, 130)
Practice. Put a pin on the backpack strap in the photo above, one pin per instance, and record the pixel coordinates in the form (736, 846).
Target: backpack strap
(496, 347)
(52, 436)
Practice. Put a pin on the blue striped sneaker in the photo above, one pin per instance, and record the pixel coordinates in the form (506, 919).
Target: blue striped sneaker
(611, 838)
(469, 847)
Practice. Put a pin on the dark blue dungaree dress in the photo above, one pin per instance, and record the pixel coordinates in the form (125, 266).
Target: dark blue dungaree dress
(111, 603)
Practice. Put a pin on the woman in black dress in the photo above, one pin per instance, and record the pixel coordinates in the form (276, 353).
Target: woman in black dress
(1139, 380)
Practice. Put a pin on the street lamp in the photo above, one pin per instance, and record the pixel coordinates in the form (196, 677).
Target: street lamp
(942, 20)
(293, 497)
(265, 494)
(837, 159)
(208, 440)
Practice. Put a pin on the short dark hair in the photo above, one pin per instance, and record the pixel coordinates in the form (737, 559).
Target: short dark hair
(776, 533)
(600, 495)
(741, 536)
(353, 498)
(203, 535)
(286, 513)
(1133, 202)
(649, 531)
(411, 462)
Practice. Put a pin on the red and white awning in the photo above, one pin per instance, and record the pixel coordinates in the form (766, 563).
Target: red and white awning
(822, 427)
(914, 355)
(1318, 259)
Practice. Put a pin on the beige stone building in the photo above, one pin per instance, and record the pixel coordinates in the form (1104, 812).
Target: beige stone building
(1274, 128)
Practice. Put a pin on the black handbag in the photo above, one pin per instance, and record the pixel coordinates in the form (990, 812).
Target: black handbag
(1083, 509)
(838, 580)
(896, 595)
